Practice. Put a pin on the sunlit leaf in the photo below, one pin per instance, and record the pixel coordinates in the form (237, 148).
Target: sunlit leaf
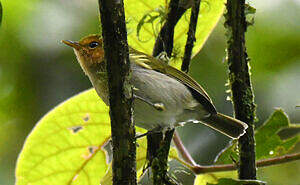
(145, 20)
(65, 147)
(268, 142)
(213, 177)
(68, 144)
(227, 181)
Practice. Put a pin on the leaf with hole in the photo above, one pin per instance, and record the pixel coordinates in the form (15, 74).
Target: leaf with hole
(69, 145)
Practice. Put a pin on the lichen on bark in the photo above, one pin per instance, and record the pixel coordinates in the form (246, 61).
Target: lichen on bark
(240, 83)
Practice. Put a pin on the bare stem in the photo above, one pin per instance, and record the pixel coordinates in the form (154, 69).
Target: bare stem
(182, 150)
(198, 169)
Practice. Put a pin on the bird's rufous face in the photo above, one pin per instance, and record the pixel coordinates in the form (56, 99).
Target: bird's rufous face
(89, 50)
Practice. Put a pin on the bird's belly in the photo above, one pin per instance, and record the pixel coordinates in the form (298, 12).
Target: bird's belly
(153, 87)
(147, 117)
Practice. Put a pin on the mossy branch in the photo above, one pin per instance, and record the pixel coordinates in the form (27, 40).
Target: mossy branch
(120, 94)
(241, 88)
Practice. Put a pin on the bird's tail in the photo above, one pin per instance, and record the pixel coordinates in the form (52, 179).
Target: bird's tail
(226, 125)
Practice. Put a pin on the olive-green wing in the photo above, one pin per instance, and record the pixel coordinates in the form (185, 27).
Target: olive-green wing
(150, 62)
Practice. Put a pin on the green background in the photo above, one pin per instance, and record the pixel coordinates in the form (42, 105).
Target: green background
(37, 72)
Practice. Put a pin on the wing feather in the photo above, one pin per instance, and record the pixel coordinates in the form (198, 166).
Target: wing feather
(150, 62)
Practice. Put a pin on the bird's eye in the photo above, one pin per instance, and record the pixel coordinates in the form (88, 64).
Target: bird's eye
(93, 44)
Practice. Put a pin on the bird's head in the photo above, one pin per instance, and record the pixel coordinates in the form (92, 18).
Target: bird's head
(89, 51)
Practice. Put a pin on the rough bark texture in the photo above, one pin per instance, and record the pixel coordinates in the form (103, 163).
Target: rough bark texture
(122, 128)
(157, 154)
(191, 37)
(164, 41)
(239, 77)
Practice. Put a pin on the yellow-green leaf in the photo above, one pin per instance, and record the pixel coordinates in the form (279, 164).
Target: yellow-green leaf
(210, 13)
(213, 177)
(65, 147)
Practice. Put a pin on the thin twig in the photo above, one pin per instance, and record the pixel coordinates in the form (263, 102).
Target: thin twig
(198, 169)
(191, 36)
(182, 150)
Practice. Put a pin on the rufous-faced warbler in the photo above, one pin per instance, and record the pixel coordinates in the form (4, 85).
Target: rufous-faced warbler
(164, 97)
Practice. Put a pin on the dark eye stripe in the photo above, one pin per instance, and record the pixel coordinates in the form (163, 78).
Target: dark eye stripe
(93, 44)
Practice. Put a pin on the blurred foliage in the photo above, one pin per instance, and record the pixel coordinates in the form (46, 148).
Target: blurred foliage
(268, 143)
(1, 12)
(37, 73)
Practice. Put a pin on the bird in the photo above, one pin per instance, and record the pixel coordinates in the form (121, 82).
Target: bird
(163, 96)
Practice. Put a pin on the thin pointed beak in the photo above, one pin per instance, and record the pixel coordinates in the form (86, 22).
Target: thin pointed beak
(73, 44)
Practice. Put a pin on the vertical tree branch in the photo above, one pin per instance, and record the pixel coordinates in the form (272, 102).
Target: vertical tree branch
(159, 162)
(158, 145)
(164, 41)
(191, 36)
(239, 77)
(120, 95)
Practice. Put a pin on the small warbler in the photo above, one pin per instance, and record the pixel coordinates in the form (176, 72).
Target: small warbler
(164, 97)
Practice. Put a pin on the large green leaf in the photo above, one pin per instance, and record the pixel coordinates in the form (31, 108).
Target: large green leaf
(67, 145)
(268, 142)
(152, 13)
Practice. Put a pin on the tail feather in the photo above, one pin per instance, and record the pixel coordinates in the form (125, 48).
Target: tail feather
(226, 125)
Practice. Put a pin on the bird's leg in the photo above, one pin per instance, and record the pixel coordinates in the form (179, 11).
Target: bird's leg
(155, 130)
(157, 106)
(163, 56)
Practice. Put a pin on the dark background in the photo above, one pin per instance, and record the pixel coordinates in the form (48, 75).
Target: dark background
(37, 72)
